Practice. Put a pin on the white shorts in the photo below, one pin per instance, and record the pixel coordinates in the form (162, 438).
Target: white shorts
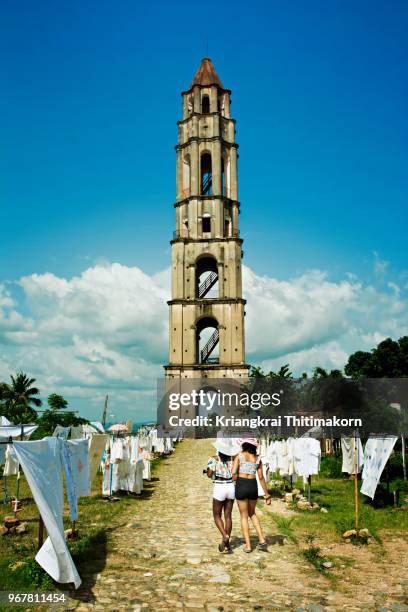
(223, 491)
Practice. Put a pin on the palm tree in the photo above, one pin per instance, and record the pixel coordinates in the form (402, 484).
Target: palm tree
(19, 398)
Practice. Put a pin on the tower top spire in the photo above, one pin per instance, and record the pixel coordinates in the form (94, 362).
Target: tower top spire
(206, 75)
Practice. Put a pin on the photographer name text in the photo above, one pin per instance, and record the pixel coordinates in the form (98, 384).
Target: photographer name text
(255, 422)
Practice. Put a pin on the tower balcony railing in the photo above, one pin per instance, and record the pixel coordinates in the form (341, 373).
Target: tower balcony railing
(213, 360)
(185, 233)
(186, 193)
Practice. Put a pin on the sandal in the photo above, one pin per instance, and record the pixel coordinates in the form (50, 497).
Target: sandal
(247, 550)
(224, 544)
(263, 546)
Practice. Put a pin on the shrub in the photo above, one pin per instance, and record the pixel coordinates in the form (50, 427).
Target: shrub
(330, 466)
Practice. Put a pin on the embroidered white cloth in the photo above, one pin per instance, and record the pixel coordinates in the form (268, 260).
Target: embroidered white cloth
(97, 445)
(376, 454)
(41, 463)
(79, 451)
(353, 455)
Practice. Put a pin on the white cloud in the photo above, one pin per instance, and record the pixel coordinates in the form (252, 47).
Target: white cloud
(310, 320)
(380, 265)
(105, 331)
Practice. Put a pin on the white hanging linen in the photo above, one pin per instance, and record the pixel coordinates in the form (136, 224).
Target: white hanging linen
(158, 445)
(11, 462)
(41, 463)
(145, 441)
(66, 461)
(14, 431)
(117, 450)
(97, 445)
(147, 471)
(135, 477)
(272, 456)
(79, 453)
(307, 454)
(89, 430)
(98, 425)
(61, 432)
(290, 456)
(134, 449)
(353, 455)
(77, 432)
(282, 458)
(376, 454)
(106, 480)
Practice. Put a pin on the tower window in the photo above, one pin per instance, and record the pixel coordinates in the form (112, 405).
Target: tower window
(205, 105)
(207, 278)
(206, 174)
(206, 224)
(207, 341)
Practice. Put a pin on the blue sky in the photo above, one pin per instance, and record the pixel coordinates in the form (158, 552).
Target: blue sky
(90, 103)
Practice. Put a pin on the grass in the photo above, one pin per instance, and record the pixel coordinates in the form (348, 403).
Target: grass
(337, 495)
(285, 527)
(313, 555)
(18, 568)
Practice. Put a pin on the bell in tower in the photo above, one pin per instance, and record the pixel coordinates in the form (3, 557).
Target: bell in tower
(207, 308)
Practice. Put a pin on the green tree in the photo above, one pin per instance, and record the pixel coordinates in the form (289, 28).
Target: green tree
(57, 402)
(258, 372)
(389, 359)
(20, 398)
(56, 414)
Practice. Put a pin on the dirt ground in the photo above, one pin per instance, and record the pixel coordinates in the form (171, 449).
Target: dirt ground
(166, 558)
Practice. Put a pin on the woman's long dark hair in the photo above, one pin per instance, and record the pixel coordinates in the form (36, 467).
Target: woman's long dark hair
(249, 448)
(224, 458)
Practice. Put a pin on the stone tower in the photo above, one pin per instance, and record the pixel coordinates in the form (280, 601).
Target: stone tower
(207, 309)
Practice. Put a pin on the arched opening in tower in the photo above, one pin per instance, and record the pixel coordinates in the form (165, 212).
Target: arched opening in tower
(205, 105)
(225, 174)
(186, 176)
(209, 404)
(207, 278)
(206, 174)
(207, 341)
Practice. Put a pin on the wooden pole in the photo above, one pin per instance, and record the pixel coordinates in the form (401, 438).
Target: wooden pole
(40, 532)
(404, 466)
(356, 479)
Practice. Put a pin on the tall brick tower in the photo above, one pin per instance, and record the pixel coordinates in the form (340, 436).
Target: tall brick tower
(207, 308)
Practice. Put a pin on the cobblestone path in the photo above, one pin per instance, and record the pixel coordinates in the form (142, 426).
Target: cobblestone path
(165, 557)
